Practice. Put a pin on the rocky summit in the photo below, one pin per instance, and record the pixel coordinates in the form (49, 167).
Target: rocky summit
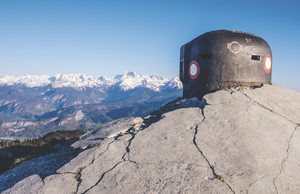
(235, 140)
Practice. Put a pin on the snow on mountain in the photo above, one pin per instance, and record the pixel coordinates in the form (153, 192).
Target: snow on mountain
(174, 83)
(129, 80)
(75, 81)
(25, 80)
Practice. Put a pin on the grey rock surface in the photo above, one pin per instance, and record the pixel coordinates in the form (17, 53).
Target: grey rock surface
(31, 184)
(246, 142)
(59, 183)
(110, 129)
(42, 166)
(85, 158)
(236, 140)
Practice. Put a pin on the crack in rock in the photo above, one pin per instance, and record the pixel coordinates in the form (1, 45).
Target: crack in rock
(211, 166)
(42, 186)
(103, 176)
(251, 185)
(128, 149)
(78, 178)
(132, 133)
(284, 160)
(78, 173)
(269, 109)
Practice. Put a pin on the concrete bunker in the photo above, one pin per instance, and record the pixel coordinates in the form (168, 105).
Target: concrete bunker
(224, 58)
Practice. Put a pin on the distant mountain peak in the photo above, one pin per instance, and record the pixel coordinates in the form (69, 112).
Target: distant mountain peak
(129, 73)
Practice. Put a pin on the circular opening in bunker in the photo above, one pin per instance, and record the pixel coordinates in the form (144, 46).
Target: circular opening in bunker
(194, 69)
(268, 64)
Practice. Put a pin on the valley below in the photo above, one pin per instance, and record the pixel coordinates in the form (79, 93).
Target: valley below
(32, 106)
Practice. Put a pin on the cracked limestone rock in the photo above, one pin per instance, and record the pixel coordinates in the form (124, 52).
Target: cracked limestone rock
(31, 184)
(42, 166)
(59, 183)
(236, 140)
(247, 136)
(110, 129)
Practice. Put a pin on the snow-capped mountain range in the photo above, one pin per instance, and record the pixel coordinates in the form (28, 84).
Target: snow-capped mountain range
(129, 80)
(91, 101)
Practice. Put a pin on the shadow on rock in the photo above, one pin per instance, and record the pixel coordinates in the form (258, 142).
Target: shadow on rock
(43, 166)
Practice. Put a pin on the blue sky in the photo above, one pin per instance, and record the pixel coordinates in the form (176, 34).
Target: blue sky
(109, 37)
